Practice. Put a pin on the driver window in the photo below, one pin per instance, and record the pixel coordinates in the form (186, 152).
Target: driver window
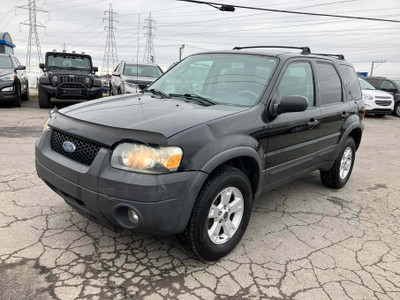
(297, 80)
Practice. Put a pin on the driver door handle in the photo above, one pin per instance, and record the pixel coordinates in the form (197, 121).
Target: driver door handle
(313, 123)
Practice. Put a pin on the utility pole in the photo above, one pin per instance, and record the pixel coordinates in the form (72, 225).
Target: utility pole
(149, 53)
(376, 62)
(181, 51)
(110, 59)
(33, 48)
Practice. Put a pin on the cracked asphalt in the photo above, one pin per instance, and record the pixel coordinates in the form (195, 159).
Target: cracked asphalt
(304, 241)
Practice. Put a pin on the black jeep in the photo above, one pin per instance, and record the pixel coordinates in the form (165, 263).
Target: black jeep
(191, 153)
(68, 76)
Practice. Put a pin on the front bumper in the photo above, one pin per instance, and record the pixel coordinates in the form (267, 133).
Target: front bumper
(66, 92)
(162, 202)
(379, 111)
(8, 96)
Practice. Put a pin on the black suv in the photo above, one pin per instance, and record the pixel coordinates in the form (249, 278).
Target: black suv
(388, 85)
(14, 86)
(190, 154)
(68, 76)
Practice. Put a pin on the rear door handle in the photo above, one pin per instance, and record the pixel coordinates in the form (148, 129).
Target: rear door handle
(312, 123)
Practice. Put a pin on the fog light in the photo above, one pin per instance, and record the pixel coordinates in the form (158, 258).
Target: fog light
(133, 217)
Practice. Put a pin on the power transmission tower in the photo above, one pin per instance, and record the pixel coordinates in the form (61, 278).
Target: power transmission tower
(33, 49)
(376, 62)
(110, 59)
(149, 53)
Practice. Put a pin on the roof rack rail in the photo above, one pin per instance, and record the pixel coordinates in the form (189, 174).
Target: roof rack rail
(338, 56)
(304, 50)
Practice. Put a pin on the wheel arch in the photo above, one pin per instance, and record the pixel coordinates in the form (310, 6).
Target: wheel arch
(244, 158)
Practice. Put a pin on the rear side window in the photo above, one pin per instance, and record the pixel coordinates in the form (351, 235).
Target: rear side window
(298, 80)
(330, 86)
(352, 81)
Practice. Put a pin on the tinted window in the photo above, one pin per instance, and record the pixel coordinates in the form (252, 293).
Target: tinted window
(233, 79)
(298, 80)
(330, 87)
(387, 85)
(69, 62)
(352, 81)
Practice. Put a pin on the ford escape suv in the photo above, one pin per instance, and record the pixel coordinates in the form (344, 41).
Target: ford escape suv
(192, 152)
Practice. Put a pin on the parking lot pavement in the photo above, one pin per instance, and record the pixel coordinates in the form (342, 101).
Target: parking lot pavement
(303, 242)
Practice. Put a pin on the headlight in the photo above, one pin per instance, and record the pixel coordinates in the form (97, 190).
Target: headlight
(87, 80)
(129, 84)
(54, 78)
(146, 159)
(46, 125)
(367, 97)
(8, 77)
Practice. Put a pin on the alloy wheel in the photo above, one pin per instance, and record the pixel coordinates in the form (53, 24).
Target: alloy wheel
(225, 215)
(345, 164)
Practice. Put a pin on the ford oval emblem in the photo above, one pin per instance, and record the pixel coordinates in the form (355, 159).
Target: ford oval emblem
(69, 147)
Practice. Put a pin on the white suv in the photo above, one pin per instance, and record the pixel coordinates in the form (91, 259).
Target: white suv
(376, 102)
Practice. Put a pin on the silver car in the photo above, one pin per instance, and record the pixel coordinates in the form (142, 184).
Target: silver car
(133, 78)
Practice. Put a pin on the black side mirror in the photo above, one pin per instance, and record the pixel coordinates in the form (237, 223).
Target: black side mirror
(292, 103)
(116, 74)
(41, 66)
(95, 69)
(20, 68)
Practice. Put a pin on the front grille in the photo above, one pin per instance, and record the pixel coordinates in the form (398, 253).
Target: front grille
(73, 79)
(85, 152)
(72, 86)
(383, 102)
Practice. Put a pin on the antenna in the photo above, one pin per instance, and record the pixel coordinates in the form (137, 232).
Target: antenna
(110, 59)
(149, 53)
(33, 48)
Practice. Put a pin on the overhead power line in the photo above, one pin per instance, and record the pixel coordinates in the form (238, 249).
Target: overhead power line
(229, 7)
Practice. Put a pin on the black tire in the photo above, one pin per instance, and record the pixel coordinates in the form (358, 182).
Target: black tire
(17, 100)
(331, 178)
(396, 110)
(195, 237)
(119, 91)
(44, 99)
(25, 97)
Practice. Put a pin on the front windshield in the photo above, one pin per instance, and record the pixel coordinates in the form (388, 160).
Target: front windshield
(233, 79)
(5, 62)
(68, 62)
(142, 71)
(365, 85)
(397, 83)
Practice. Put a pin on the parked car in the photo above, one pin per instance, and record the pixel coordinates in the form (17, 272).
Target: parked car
(179, 159)
(376, 102)
(105, 86)
(388, 85)
(68, 76)
(14, 86)
(133, 78)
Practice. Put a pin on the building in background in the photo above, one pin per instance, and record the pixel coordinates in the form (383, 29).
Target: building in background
(6, 44)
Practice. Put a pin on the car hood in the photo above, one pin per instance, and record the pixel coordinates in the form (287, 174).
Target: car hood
(5, 72)
(139, 79)
(69, 72)
(146, 113)
(375, 93)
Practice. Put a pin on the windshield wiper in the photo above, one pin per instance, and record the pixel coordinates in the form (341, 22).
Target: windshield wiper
(195, 98)
(158, 93)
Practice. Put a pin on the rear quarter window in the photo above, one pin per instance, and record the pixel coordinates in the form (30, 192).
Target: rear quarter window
(330, 86)
(352, 82)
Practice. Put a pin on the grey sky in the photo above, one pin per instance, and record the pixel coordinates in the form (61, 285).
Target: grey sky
(79, 24)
